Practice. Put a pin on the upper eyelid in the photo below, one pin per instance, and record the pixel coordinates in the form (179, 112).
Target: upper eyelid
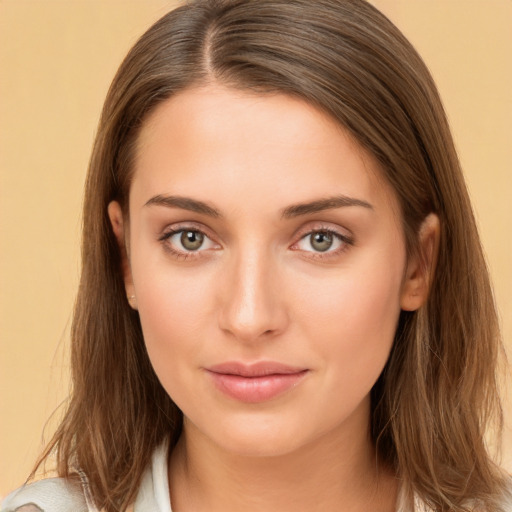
(323, 226)
(185, 226)
(334, 232)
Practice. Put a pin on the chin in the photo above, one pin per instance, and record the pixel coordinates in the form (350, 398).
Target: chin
(247, 435)
(262, 436)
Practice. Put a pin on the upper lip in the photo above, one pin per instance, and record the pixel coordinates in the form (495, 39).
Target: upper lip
(257, 369)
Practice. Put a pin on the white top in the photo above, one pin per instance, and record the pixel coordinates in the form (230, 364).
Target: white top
(60, 495)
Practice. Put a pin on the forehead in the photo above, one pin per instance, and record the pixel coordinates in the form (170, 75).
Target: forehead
(214, 140)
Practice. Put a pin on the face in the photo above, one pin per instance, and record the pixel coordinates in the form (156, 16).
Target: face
(268, 266)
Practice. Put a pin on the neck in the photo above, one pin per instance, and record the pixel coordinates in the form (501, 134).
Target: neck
(324, 476)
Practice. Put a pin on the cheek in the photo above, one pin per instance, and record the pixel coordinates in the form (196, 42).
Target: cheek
(352, 318)
(174, 309)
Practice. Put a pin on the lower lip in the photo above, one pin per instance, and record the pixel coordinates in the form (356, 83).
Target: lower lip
(256, 389)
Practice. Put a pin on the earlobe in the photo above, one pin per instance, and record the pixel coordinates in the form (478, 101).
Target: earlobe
(421, 266)
(115, 214)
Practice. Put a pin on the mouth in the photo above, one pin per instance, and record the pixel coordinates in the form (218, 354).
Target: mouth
(256, 382)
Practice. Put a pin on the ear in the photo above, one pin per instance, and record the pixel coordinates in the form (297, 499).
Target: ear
(115, 214)
(421, 266)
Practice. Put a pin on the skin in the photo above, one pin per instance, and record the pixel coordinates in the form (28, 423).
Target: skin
(258, 289)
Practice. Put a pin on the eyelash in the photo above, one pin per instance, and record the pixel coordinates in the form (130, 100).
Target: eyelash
(345, 240)
(181, 255)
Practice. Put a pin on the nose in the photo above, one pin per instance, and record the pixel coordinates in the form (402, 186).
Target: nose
(252, 306)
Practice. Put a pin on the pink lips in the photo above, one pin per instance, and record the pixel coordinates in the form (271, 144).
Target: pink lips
(255, 382)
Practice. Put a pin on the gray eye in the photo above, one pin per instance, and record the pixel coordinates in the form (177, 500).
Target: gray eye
(191, 240)
(321, 241)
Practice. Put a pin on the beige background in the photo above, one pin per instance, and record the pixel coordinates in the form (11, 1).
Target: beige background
(57, 59)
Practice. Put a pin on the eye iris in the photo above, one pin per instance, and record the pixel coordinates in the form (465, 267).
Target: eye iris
(321, 241)
(191, 240)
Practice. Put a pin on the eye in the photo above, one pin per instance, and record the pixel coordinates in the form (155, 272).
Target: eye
(186, 241)
(190, 240)
(323, 241)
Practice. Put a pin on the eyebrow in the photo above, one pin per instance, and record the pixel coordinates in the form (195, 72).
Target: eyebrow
(319, 205)
(295, 210)
(185, 203)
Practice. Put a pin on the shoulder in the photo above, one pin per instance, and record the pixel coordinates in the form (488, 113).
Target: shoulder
(507, 503)
(48, 495)
(65, 495)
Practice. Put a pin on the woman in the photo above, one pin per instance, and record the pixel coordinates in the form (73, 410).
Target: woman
(283, 290)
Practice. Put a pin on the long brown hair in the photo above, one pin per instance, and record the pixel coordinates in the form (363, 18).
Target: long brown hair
(437, 395)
